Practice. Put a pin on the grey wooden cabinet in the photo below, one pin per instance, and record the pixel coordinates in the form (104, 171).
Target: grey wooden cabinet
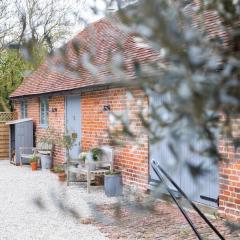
(21, 135)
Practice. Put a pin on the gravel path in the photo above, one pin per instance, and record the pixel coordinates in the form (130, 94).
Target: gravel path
(31, 206)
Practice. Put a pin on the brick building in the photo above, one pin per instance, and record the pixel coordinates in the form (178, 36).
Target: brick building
(64, 95)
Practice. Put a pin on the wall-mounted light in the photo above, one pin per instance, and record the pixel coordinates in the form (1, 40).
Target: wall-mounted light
(53, 110)
(106, 108)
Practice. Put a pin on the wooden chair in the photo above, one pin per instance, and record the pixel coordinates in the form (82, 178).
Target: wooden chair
(72, 167)
(27, 152)
(105, 165)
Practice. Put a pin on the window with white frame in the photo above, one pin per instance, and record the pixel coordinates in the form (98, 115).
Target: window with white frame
(44, 111)
(23, 106)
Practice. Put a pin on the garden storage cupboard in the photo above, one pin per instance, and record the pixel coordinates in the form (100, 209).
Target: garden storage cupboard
(21, 135)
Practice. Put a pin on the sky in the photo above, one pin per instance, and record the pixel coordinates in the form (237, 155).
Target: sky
(79, 13)
(87, 14)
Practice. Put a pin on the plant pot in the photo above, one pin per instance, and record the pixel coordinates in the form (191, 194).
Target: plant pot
(72, 177)
(61, 176)
(91, 166)
(34, 166)
(46, 161)
(113, 185)
(82, 164)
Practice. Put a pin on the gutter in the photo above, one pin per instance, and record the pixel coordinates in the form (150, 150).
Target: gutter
(66, 92)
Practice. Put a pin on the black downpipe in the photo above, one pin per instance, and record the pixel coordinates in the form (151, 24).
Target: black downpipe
(158, 168)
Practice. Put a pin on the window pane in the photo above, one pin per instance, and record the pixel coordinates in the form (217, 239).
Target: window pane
(44, 111)
(46, 105)
(22, 110)
(23, 107)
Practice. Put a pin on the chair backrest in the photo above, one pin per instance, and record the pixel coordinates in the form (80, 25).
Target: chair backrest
(108, 155)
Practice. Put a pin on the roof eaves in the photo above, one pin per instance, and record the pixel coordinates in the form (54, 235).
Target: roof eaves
(70, 91)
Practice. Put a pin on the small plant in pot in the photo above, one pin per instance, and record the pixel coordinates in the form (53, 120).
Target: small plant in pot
(59, 169)
(113, 184)
(83, 157)
(93, 158)
(34, 162)
(96, 154)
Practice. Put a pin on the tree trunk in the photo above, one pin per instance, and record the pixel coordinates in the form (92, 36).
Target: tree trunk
(4, 105)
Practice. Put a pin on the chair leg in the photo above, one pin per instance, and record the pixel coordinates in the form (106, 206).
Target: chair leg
(88, 182)
(21, 162)
(67, 178)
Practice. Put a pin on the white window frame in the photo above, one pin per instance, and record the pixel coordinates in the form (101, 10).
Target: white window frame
(44, 109)
(23, 109)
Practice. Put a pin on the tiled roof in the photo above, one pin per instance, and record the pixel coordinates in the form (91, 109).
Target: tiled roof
(68, 71)
(102, 38)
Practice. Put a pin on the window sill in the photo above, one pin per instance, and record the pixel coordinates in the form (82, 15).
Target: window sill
(43, 126)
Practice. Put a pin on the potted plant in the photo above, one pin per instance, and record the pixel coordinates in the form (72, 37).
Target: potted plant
(96, 154)
(113, 184)
(93, 158)
(45, 148)
(59, 169)
(66, 141)
(34, 162)
(82, 157)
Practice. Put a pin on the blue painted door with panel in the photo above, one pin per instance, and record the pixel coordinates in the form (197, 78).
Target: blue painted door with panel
(73, 123)
(204, 188)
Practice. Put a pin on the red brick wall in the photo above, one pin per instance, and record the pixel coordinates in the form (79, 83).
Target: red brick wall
(230, 174)
(230, 190)
(132, 157)
(56, 121)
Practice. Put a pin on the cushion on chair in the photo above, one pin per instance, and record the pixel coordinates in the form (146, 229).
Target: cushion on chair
(27, 155)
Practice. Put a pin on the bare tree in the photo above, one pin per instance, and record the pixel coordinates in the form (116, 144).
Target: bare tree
(45, 22)
(32, 28)
(5, 23)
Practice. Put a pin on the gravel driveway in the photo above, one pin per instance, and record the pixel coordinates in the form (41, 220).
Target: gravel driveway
(30, 206)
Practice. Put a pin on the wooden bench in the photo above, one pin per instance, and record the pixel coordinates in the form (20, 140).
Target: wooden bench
(106, 164)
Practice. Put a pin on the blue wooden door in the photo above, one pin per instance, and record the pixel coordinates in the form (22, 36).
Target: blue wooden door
(73, 123)
(159, 151)
(204, 188)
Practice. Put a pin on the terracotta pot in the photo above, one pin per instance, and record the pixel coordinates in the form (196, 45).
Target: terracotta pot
(34, 166)
(62, 176)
